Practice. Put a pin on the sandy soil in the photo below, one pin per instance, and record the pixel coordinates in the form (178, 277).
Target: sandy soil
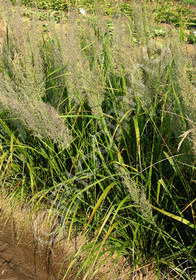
(20, 261)
(22, 255)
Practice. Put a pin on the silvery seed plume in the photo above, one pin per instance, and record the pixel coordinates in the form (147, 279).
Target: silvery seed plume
(22, 83)
(137, 193)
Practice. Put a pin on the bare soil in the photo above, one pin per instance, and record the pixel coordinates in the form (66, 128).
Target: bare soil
(22, 255)
(21, 260)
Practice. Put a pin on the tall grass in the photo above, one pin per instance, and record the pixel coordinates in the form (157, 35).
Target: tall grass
(98, 122)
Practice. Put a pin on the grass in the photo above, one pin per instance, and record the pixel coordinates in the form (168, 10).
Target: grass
(100, 127)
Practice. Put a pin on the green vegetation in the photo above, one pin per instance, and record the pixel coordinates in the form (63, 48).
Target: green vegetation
(98, 122)
(170, 12)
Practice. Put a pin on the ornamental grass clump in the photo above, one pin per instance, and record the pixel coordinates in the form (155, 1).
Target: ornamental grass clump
(108, 121)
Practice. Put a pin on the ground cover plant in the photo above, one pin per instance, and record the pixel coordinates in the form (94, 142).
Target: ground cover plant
(98, 123)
